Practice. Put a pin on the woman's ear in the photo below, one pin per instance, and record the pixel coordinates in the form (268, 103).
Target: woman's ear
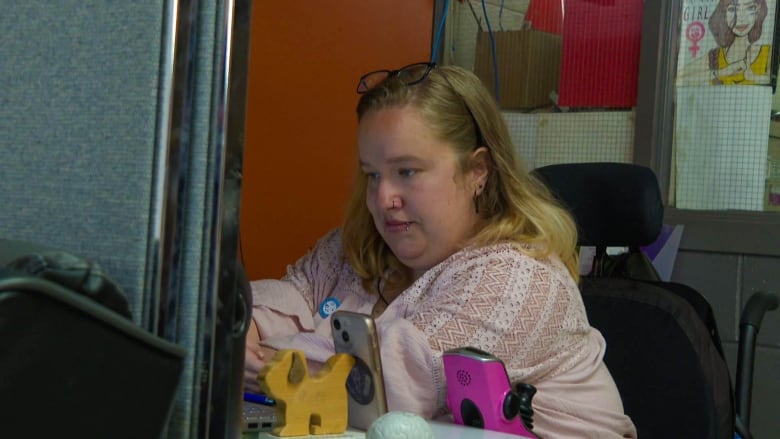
(480, 168)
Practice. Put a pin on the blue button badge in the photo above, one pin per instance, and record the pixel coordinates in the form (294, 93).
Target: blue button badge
(329, 306)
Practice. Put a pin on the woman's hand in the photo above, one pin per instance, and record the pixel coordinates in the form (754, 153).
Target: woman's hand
(733, 69)
(756, 78)
(255, 357)
(255, 360)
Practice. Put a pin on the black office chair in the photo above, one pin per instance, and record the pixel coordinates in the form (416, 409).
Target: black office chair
(72, 363)
(663, 346)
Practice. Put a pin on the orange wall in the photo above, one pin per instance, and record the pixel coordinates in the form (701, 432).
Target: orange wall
(299, 155)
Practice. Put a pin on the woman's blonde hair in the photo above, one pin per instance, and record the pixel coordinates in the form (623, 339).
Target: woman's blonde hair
(515, 206)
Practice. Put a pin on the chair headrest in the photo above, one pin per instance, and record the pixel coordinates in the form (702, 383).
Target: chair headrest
(613, 204)
(75, 273)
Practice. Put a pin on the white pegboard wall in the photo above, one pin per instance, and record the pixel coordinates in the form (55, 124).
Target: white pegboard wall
(721, 142)
(549, 138)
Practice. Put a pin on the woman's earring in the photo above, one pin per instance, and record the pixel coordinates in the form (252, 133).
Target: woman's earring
(476, 198)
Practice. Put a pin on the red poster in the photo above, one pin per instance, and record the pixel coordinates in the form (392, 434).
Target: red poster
(545, 15)
(600, 59)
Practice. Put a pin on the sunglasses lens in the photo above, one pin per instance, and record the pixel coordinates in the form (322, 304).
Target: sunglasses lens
(414, 73)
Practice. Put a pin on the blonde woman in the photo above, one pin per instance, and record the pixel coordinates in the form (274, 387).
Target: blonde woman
(447, 242)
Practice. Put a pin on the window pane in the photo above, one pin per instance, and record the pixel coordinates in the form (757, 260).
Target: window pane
(723, 106)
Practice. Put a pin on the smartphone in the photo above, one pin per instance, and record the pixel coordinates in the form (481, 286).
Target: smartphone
(355, 334)
(479, 393)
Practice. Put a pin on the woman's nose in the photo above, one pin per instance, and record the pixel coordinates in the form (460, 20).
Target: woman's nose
(391, 202)
(387, 197)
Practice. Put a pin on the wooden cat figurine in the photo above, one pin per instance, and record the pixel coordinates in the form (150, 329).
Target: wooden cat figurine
(307, 404)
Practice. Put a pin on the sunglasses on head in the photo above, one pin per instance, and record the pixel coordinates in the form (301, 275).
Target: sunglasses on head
(411, 75)
(408, 75)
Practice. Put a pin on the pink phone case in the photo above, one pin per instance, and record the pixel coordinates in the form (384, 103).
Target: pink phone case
(479, 393)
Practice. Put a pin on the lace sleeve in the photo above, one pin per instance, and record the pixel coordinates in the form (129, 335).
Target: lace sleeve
(317, 273)
(523, 310)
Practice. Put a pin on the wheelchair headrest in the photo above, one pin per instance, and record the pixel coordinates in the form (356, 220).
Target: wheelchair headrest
(613, 204)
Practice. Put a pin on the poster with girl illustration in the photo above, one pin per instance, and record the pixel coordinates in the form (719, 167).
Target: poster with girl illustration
(725, 42)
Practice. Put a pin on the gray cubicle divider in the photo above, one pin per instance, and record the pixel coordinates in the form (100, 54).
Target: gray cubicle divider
(121, 136)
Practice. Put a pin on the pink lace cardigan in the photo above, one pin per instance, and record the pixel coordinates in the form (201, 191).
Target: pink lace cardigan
(525, 311)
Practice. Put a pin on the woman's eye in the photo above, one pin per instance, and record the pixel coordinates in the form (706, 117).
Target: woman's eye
(406, 172)
(372, 176)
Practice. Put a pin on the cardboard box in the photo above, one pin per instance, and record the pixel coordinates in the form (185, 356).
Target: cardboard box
(773, 158)
(773, 151)
(772, 187)
(772, 195)
(529, 65)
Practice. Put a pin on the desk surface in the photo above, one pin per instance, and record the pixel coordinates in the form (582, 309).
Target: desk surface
(441, 430)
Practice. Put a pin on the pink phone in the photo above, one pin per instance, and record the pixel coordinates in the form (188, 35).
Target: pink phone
(479, 393)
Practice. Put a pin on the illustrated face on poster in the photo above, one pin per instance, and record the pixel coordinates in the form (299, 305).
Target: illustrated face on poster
(725, 42)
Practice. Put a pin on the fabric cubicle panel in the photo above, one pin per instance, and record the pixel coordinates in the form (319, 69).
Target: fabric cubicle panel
(78, 113)
(119, 145)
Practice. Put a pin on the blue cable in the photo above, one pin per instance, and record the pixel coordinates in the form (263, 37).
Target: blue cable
(439, 31)
(501, 16)
(493, 50)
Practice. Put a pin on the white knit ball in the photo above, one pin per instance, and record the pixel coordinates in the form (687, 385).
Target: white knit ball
(399, 425)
